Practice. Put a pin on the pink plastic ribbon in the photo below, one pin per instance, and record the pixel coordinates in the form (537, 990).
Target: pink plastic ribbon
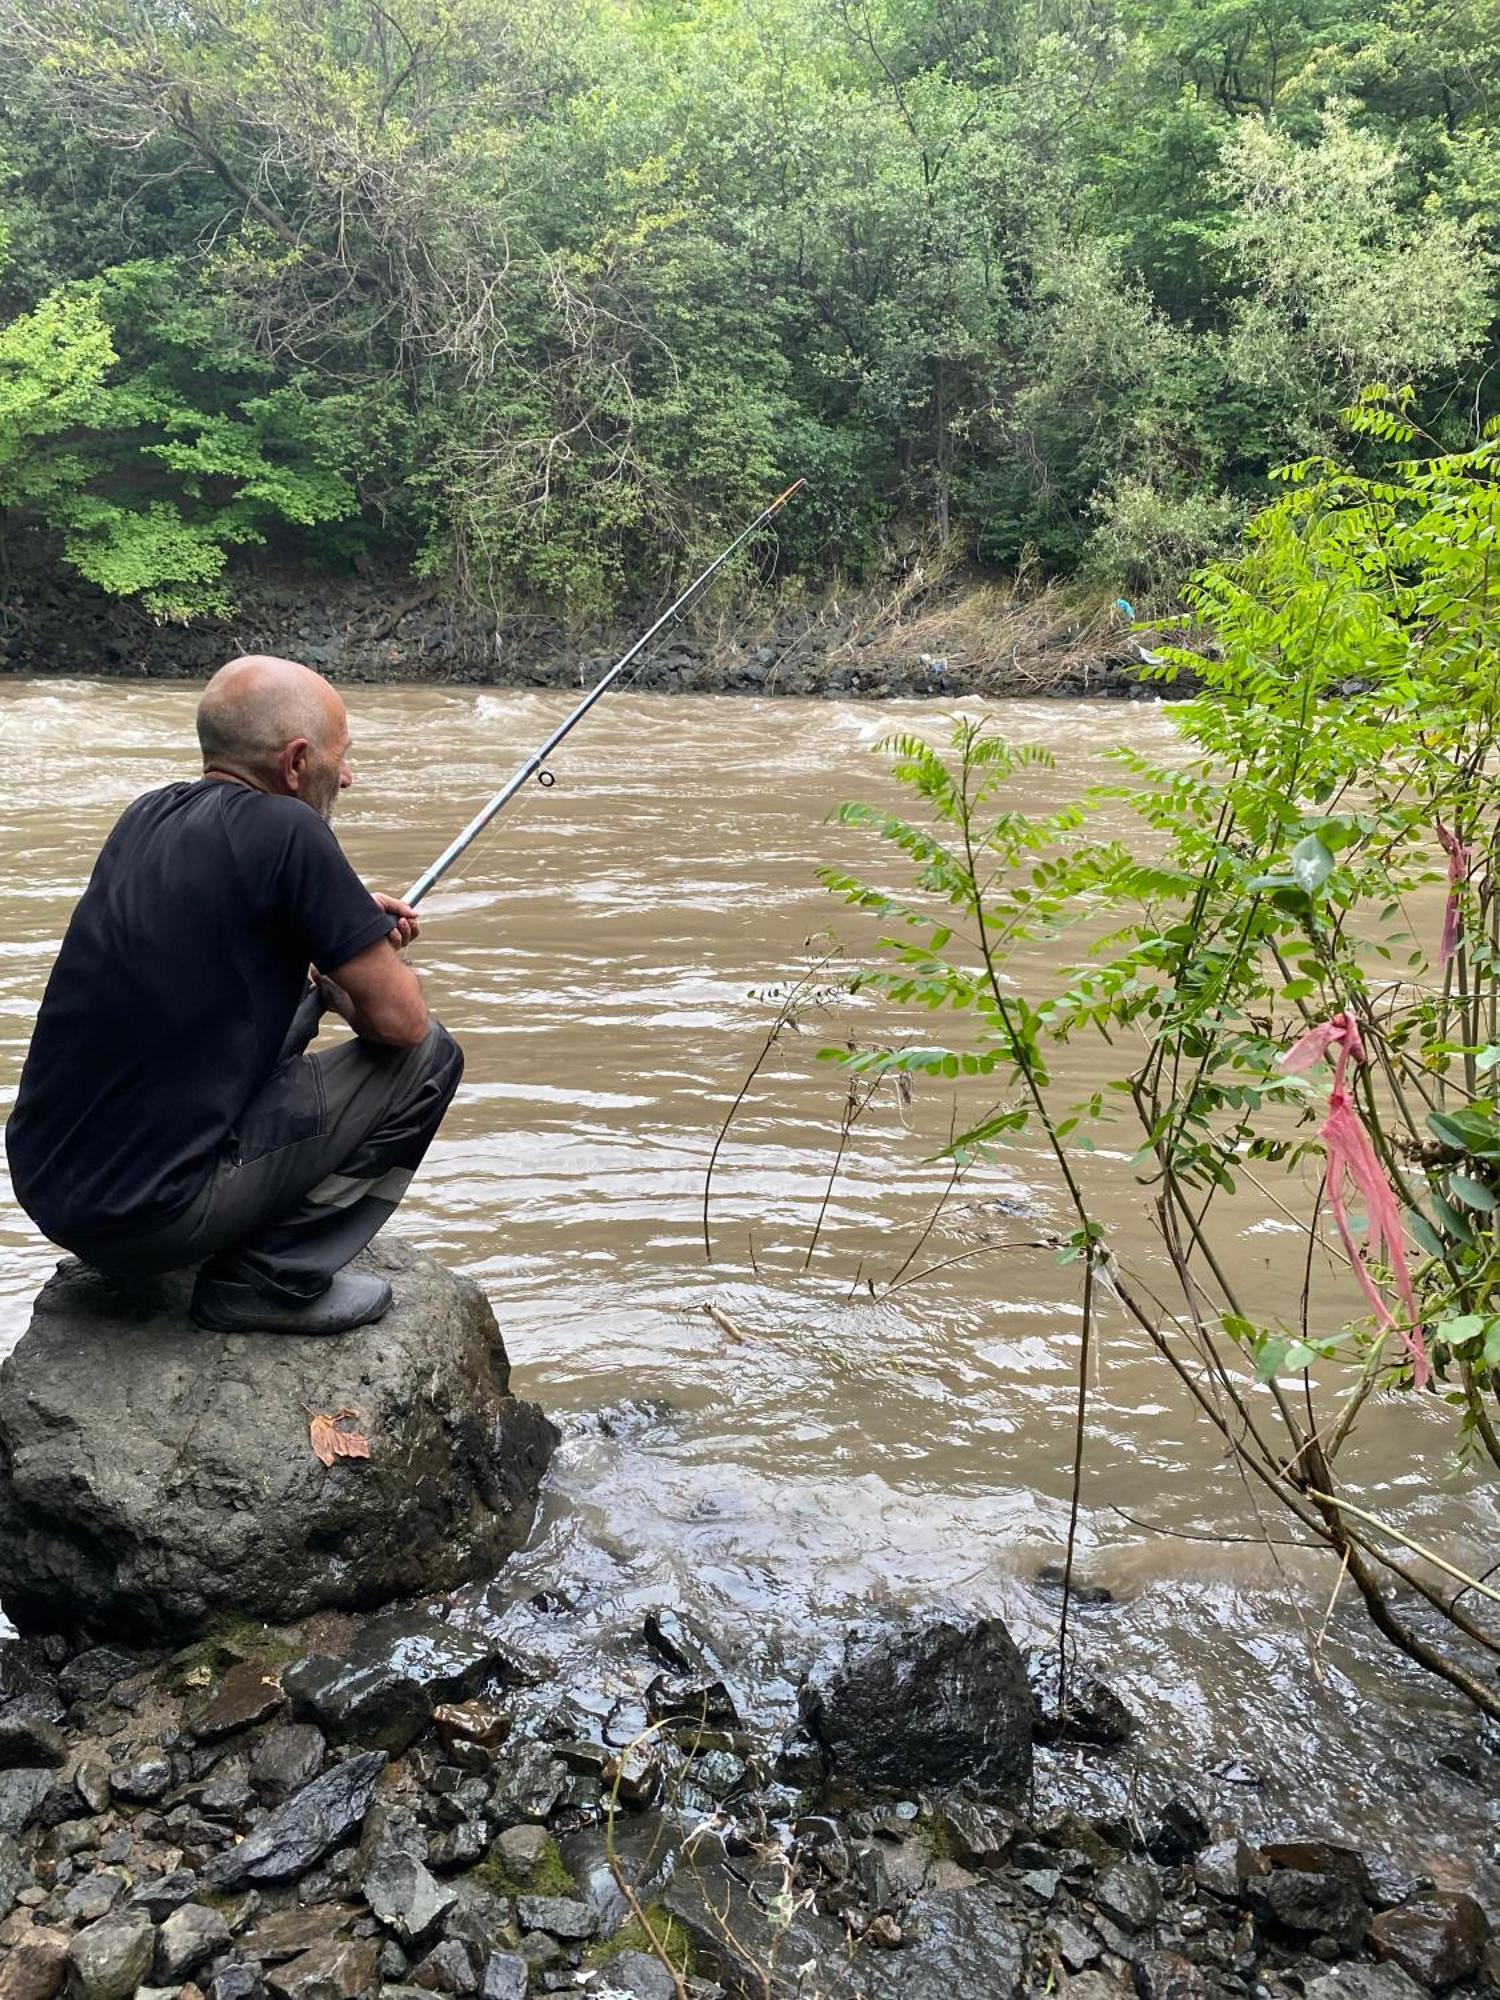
(1351, 1160)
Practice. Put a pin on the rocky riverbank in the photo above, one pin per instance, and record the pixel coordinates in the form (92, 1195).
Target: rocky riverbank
(947, 636)
(398, 1806)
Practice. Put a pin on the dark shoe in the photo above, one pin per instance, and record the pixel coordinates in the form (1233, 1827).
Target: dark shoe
(355, 1298)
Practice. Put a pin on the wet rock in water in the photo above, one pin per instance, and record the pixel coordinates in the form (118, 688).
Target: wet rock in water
(1094, 1713)
(937, 1705)
(189, 1938)
(246, 1695)
(1312, 1905)
(635, 1773)
(1225, 1870)
(1365, 1982)
(505, 1976)
(31, 1740)
(1129, 1895)
(384, 1691)
(220, 1510)
(963, 1942)
(1179, 1834)
(406, 1897)
(337, 1969)
(1438, 1939)
(309, 1825)
(1050, 1578)
(22, 1792)
(286, 1758)
(110, 1959)
(1320, 1857)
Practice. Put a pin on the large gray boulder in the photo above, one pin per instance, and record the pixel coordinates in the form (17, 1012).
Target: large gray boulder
(159, 1480)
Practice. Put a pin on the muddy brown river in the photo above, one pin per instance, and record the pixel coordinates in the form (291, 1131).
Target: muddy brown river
(604, 958)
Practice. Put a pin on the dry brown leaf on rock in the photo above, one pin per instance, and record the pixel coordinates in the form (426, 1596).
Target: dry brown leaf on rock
(329, 1442)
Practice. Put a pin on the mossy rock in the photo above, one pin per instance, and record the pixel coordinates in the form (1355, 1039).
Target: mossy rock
(672, 1942)
(550, 1877)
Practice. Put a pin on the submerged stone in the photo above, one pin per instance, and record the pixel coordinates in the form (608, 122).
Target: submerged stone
(219, 1510)
(937, 1706)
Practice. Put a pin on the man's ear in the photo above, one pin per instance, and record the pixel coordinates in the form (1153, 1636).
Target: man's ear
(294, 761)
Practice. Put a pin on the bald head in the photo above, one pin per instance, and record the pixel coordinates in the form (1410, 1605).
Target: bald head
(277, 724)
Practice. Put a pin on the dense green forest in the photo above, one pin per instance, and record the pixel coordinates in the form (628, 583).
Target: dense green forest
(543, 296)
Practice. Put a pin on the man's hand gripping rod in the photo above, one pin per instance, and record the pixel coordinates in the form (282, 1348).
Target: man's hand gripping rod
(535, 762)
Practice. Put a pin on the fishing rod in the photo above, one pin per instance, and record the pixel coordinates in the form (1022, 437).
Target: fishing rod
(536, 762)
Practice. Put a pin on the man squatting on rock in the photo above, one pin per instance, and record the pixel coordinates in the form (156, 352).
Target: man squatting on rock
(168, 1114)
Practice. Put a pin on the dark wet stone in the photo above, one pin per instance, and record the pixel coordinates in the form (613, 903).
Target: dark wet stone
(938, 1705)
(110, 1959)
(258, 1528)
(15, 1875)
(528, 1782)
(559, 1916)
(94, 1897)
(1094, 1714)
(483, 1724)
(1438, 1940)
(337, 1969)
(505, 1977)
(228, 1793)
(1167, 1975)
(398, 1670)
(1129, 1894)
(1050, 1578)
(189, 1938)
(459, 1847)
(635, 1774)
(287, 1758)
(22, 1792)
(961, 1942)
(31, 1740)
(309, 1825)
(1313, 1905)
(1179, 1834)
(1365, 1982)
(976, 1836)
(1225, 1870)
(1076, 1947)
(686, 1698)
(143, 1783)
(640, 1976)
(645, 1852)
(159, 1895)
(448, 1968)
(95, 1672)
(235, 1982)
(406, 1897)
(247, 1694)
(683, 1649)
(1320, 1857)
(477, 1916)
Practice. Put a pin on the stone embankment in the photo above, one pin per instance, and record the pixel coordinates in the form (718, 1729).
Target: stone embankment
(392, 1808)
(919, 643)
(397, 1803)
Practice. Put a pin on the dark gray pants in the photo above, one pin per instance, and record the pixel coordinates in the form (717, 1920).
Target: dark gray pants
(322, 1155)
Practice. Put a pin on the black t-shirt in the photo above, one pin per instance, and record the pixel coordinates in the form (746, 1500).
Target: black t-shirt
(170, 999)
